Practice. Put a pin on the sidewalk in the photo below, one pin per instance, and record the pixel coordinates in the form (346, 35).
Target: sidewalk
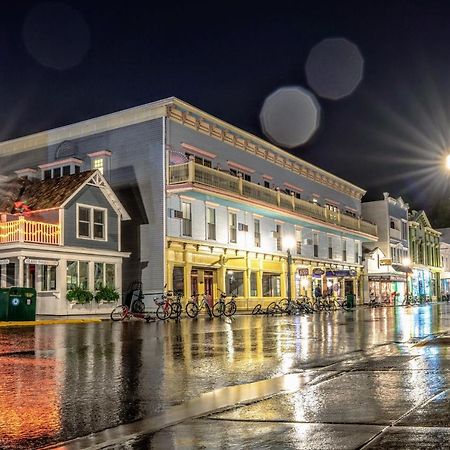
(55, 320)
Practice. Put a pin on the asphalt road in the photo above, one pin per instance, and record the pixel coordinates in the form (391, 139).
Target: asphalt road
(359, 379)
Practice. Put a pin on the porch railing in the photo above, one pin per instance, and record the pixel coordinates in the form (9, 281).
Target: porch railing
(196, 173)
(22, 230)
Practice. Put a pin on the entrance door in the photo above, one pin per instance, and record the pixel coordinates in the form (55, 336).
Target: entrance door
(209, 284)
(348, 287)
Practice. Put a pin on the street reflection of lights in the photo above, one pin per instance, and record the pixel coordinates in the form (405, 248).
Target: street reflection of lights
(230, 342)
(334, 68)
(290, 116)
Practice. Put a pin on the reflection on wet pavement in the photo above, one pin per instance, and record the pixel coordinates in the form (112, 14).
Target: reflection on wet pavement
(72, 380)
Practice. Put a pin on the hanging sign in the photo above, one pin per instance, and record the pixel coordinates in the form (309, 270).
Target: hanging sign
(41, 262)
(385, 262)
(318, 272)
(303, 272)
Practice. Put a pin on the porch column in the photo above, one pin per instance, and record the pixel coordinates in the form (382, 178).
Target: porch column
(284, 279)
(309, 288)
(259, 286)
(20, 271)
(169, 275)
(91, 283)
(247, 273)
(118, 277)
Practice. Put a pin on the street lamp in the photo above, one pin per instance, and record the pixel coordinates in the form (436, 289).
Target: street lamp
(447, 162)
(289, 243)
(407, 264)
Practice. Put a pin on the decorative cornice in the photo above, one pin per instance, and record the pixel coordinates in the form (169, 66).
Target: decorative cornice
(194, 118)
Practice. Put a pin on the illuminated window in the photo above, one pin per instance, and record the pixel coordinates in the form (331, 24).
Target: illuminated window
(48, 278)
(98, 164)
(77, 274)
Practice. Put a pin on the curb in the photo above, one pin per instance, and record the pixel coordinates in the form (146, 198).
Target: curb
(47, 322)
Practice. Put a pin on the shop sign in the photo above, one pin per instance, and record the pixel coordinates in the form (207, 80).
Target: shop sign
(385, 262)
(341, 273)
(4, 262)
(41, 262)
(303, 272)
(318, 272)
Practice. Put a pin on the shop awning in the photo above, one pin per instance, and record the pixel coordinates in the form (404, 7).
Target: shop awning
(401, 268)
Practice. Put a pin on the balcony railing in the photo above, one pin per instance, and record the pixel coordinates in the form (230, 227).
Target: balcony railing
(22, 230)
(195, 173)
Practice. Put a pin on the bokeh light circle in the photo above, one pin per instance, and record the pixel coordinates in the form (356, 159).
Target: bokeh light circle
(334, 68)
(290, 116)
(56, 35)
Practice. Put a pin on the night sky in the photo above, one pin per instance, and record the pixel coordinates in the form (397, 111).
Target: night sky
(390, 135)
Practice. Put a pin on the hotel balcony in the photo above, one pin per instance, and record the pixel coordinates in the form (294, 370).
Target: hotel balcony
(23, 230)
(199, 176)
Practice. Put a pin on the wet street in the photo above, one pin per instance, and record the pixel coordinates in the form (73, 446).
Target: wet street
(368, 378)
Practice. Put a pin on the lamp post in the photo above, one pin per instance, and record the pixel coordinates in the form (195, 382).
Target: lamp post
(288, 244)
(407, 264)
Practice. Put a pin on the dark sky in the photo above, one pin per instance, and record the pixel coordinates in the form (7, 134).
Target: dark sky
(226, 58)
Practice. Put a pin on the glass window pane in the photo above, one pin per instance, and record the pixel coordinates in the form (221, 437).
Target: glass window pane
(110, 275)
(11, 275)
(99, 231)
(72, 274)
(99, 216)
(98, 275)
(66, 170)
(84, 214)
(84, 268)
(253, 285)
(83, 229)
(57, 172)
(178, 279)
(234, 282)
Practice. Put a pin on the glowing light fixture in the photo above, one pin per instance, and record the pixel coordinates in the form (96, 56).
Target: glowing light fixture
(447, 162)
(407, 262)
(288, 242)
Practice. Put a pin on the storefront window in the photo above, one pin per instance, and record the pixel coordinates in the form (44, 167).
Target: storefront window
(48, 278)
(77, 274)
(235, 283)
(110, 275)
(178, 279)
(253, 285)
(10, 275)
(29, 275)
(99, 273)
(271, 285)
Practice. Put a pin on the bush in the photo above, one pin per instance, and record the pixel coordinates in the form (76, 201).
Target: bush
(79, 295)
(106, 294)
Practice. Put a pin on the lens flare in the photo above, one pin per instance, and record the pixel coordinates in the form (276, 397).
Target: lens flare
(290, 116)
(334, 68)
(56, 35)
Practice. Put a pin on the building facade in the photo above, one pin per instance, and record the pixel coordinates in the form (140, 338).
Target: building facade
(61, 233)
(212, 208)
(425, 256)
(385, 269)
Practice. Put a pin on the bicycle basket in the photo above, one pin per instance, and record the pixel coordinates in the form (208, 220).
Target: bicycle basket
(159, 301)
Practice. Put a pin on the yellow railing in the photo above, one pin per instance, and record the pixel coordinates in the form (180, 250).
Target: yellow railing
(195, 173)
(23, 230)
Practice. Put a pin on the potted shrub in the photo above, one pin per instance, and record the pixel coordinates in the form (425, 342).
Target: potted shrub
(106, 294)
(79, 295)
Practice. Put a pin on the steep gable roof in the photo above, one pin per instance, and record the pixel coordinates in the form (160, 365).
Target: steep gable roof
(53, 193)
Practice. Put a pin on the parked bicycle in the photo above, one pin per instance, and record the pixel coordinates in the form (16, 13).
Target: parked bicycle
(164, 308)
(123, 312)
(224, 308)
(193, 307)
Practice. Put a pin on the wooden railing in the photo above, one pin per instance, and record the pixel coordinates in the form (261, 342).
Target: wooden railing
(195, 173)
(22, 230)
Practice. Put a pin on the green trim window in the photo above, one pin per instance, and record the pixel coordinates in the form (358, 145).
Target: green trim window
(271, 285)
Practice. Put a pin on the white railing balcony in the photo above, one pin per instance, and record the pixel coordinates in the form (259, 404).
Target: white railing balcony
(196, 174)
(22, 230)
(395, 234)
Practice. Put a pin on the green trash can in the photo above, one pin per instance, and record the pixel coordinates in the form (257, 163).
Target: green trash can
(4, 297)
(21, 304)
(350, 300)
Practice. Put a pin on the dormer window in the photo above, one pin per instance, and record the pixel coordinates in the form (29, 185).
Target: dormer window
(61, 168)
(100, 161)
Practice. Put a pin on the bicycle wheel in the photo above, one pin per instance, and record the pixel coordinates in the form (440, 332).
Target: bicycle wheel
(192, 310)
(164, 311)
(119, 313)
(256, 310)
(345, 306)
(138, 306)
(284, 305)
(176, 310)
(218, 309)
(208, 310)
(272, 308)
(230, 309)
